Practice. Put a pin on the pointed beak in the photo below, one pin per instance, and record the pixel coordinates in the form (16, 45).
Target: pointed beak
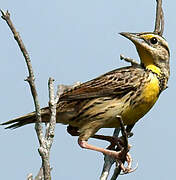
(134, 37)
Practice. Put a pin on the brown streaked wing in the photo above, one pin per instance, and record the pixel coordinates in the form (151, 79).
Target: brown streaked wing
(116, 82)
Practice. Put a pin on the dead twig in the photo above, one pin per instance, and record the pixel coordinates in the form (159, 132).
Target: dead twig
(130, 60)
(108, 160)
(30, 79)
(45, 142)
(159, 20)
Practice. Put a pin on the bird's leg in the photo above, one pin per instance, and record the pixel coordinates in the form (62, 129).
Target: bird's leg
(117, 149)
(88, 131)
(119, 141)
(116, 155)
(74, 131)
(117, 144)
(114, 141)
(119, 156)
(126, 147)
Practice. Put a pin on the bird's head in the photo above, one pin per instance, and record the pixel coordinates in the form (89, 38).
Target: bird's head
(153, 51)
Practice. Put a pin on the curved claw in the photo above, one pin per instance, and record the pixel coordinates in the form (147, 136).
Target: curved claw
(129, 170)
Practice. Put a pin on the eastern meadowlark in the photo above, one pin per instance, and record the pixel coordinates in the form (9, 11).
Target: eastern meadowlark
(128, 92)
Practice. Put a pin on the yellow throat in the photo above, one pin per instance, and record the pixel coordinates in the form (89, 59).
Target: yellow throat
(146, 58)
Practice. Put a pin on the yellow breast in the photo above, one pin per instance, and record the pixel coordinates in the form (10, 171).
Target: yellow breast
(148, 96)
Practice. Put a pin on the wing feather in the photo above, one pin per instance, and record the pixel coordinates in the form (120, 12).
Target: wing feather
(116, 82)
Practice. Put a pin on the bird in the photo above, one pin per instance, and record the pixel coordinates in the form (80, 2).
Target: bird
(127, 92)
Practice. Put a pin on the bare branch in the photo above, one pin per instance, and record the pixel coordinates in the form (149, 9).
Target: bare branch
(50, 127)
(45, 143)
(159, 21)
(108, 160)
(30, 79)
(162, 23)
(130, 60)
(52, 105)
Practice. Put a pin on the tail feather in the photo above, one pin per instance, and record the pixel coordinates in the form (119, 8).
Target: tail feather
(20, 121)
(29, 118)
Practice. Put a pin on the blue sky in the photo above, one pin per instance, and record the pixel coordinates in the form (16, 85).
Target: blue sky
(76, 41)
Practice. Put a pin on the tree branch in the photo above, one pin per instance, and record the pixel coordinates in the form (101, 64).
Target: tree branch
(45, 142)
(159, 20)
(30, 79)
(130, 60)
(108, 160)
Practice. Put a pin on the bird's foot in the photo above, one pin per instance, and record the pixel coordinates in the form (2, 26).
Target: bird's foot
(121, 157)
(128, 169)
(121, 154)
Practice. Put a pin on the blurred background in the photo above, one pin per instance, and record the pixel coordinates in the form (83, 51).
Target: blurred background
(76, 41)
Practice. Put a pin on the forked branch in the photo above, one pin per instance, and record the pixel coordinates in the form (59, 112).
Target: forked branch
(44, 141)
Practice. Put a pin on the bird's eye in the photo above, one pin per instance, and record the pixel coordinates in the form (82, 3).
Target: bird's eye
(153, 40)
